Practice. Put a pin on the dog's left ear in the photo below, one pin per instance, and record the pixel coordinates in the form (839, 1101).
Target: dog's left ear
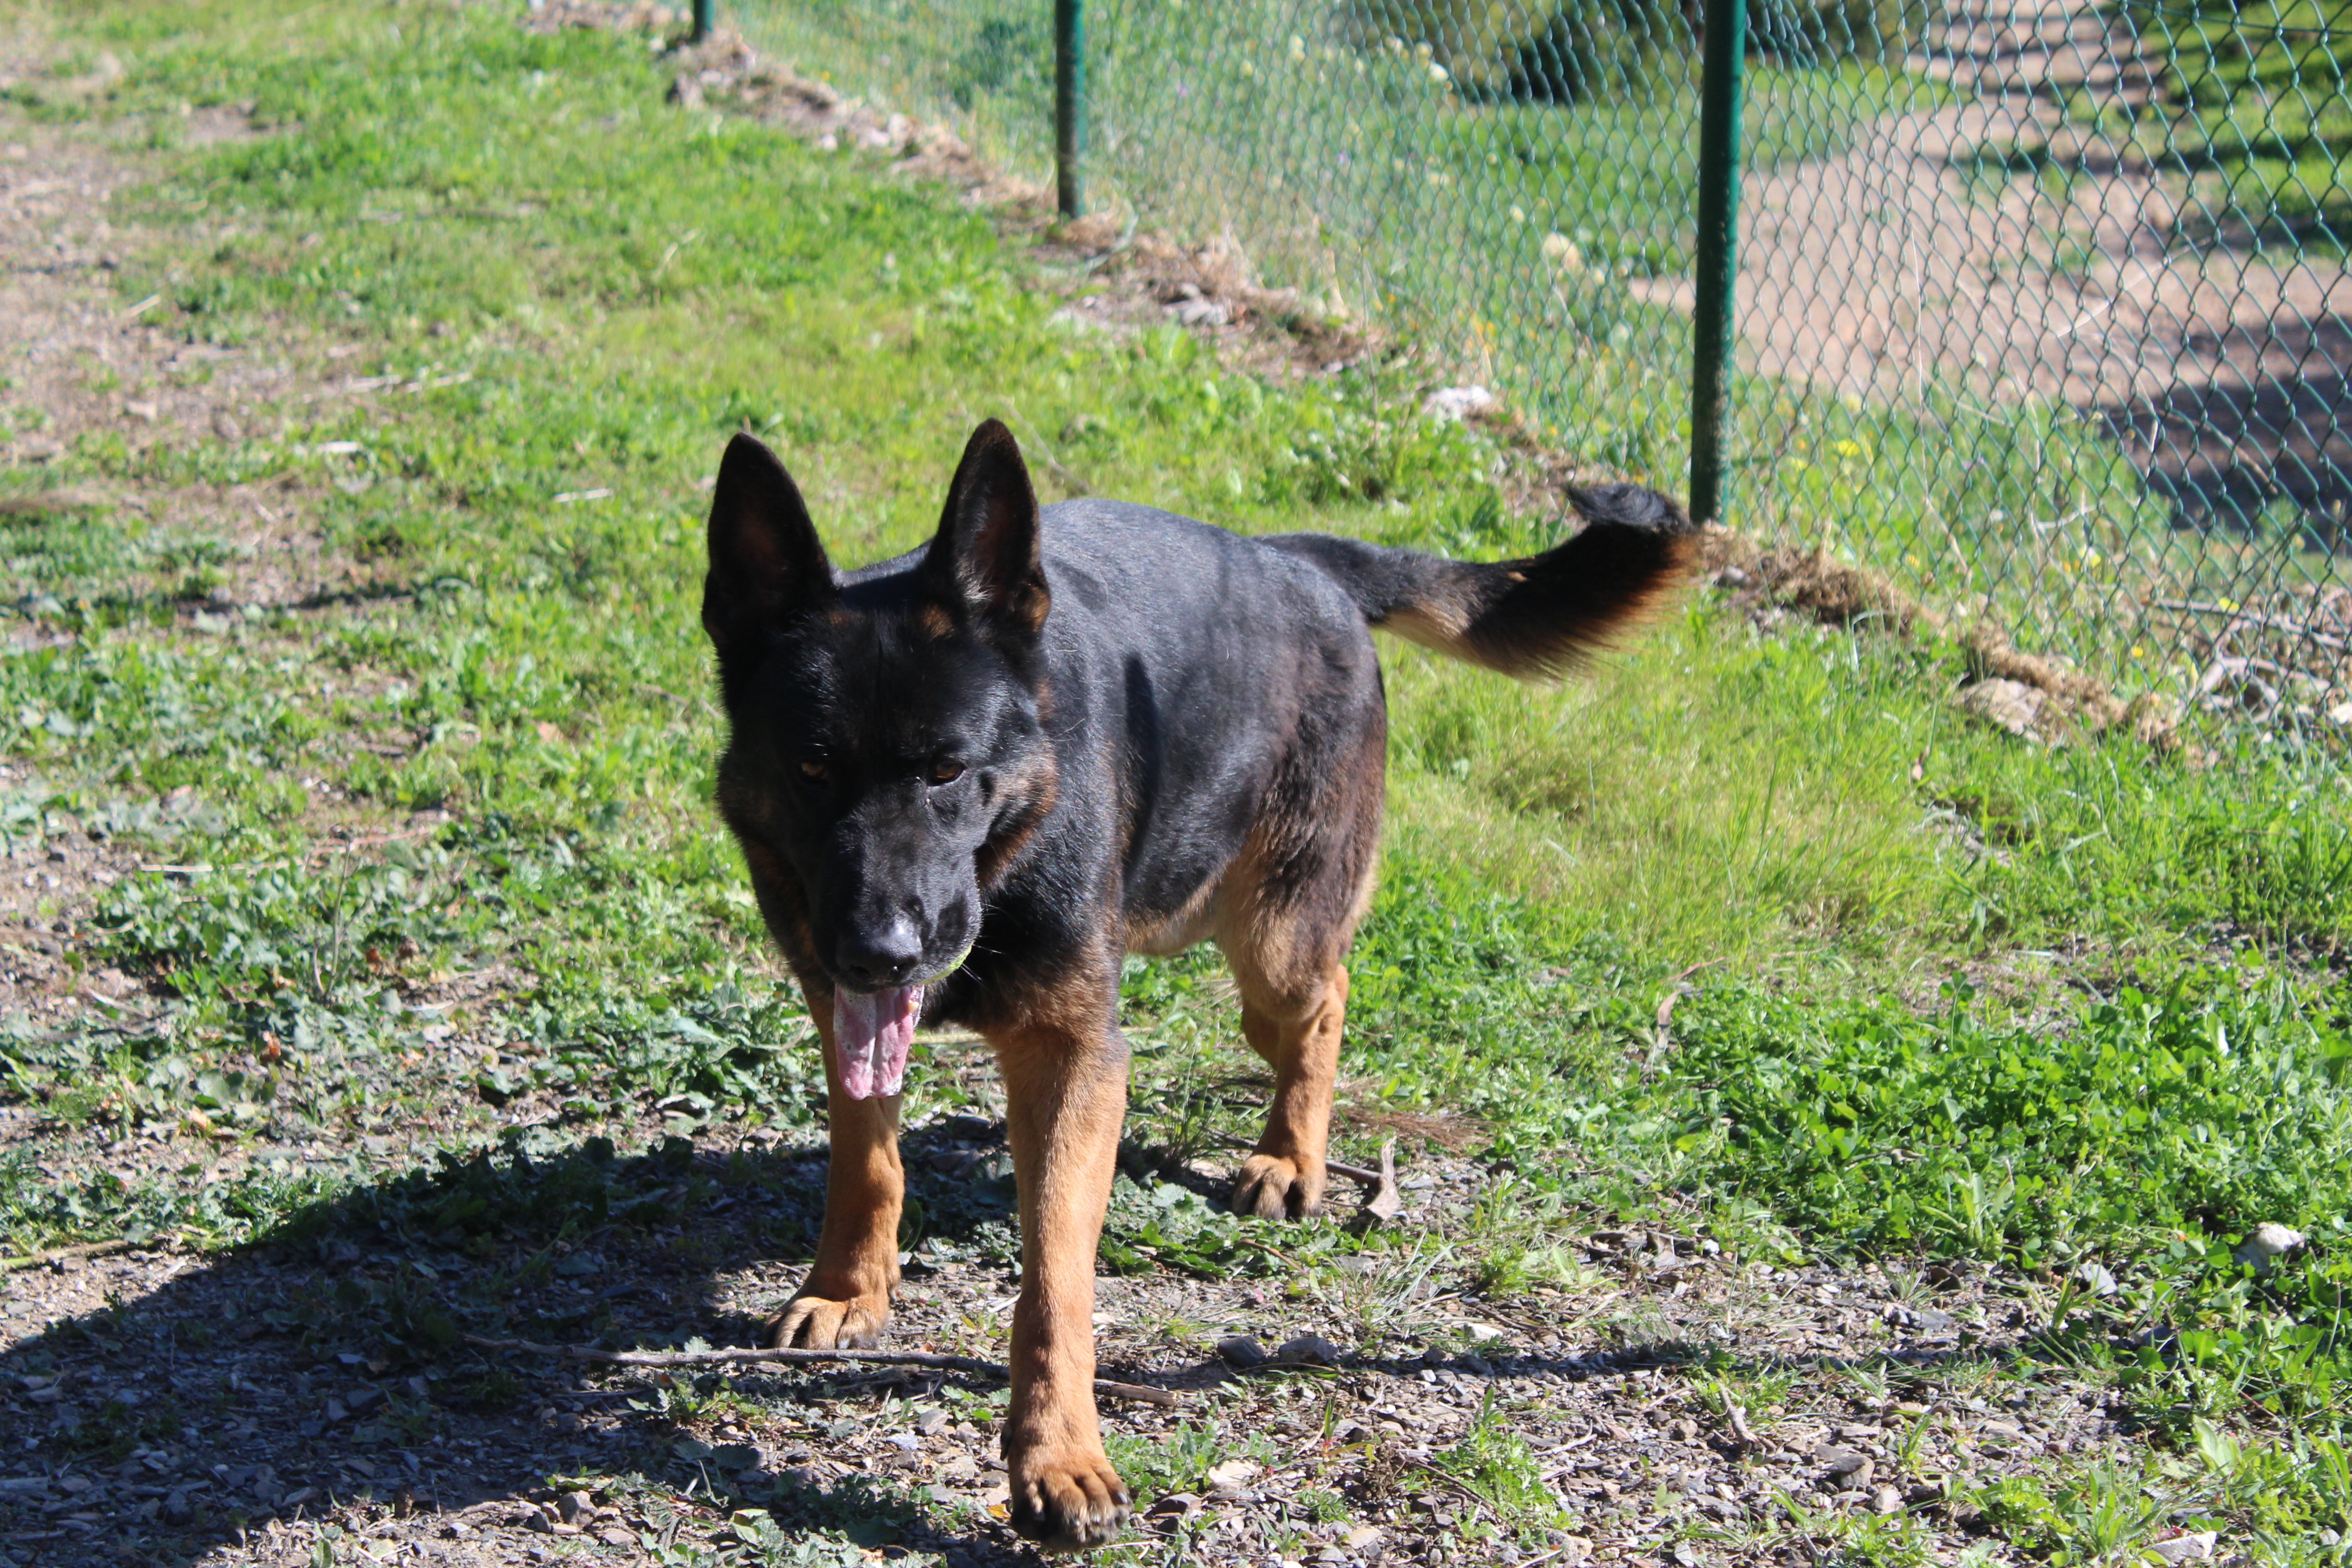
(982, 564)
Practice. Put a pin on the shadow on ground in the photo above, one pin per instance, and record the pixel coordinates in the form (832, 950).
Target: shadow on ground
(206, 1399)
(250, 1405)
(2265, 421)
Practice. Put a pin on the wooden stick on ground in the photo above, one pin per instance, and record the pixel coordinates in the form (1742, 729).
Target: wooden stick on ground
(86, 1249)
(1165, 1398)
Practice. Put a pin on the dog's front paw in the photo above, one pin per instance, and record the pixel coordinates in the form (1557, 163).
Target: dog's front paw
(1067, 1500)
(810, 1322)
(1272, 1187)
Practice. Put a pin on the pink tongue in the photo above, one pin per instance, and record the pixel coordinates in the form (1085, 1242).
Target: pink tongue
(874, 1034)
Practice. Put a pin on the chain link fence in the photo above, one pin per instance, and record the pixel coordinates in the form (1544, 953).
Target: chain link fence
(2040, 309)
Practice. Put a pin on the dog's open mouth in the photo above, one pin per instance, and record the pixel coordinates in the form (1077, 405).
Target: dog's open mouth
(873, 1032)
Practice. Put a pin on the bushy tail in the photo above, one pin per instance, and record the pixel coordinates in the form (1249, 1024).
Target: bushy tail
(1528, 618)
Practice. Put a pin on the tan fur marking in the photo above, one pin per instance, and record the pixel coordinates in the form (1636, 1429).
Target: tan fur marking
(845, 1299)
(1065, 1069)
(1286, 1175)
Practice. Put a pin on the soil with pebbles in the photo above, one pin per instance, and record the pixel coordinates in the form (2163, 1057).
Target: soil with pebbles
(167, 1406)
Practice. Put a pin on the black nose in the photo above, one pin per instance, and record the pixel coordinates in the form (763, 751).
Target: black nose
(871, 960)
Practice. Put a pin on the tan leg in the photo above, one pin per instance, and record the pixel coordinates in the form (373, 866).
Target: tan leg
(1286, 1175)
(1066, 1094)
(844, 1302)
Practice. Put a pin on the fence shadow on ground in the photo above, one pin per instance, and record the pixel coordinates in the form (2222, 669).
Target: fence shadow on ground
(2258, 417)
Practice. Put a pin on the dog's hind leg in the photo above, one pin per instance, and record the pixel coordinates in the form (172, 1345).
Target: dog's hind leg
(844, 1302)
(1284, 1178)
(1292, 901)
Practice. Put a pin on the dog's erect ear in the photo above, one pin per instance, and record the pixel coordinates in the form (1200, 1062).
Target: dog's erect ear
(982, 564)
(766, 564)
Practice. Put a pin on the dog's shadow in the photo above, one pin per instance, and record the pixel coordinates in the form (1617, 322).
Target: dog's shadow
(335, 1359)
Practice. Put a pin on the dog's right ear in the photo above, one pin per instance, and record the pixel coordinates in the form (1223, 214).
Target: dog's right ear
(766, 565)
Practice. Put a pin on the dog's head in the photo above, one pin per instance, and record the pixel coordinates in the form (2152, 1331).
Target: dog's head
(887, 744)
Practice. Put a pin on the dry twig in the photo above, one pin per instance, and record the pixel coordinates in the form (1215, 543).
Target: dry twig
(40, 1256)
(1165, 1398)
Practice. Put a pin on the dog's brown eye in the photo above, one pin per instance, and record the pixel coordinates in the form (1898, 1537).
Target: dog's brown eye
(812, 770)
(946, 773)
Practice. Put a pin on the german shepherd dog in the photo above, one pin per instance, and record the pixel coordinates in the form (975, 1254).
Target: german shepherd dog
(968, 780)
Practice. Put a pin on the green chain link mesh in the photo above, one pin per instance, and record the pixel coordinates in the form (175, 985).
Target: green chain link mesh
(2042, 305)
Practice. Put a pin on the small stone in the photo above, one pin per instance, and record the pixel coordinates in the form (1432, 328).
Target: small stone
(176, 1509)
(1307, 1350)
(2185, 1548)
(2009, 705)
(1452, 404)
(2268, 1244)
(1572, 1549)
(1485, 1333)
(1845, 1471)
(146, 413)
(225, 427)
(932, 1422)
(575, 1506)
(1887, 1499)
(1203, 313)
(1233, 1473)
(1242, 1350)
(2094, 1276)
(1363, 1536)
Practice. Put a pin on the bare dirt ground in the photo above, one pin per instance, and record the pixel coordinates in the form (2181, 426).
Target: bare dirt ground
(167, 1407)
(167, 1404)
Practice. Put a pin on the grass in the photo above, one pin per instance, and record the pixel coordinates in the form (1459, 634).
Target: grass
(1947, 995)
(2253, 113)
(1338, 164)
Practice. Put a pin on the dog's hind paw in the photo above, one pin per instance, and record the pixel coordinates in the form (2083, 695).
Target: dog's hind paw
(1272, 1187)
(1069, 1503)
(818, 1323)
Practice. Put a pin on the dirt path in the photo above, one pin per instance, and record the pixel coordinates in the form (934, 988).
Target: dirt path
(2220, 367)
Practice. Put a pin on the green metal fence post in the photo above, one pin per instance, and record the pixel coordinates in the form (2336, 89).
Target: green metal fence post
(702, 18)
(1718, 249)
(1070, 105)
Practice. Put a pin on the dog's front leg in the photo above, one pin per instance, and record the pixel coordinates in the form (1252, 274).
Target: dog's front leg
(1066, 1093)
(844, 1302)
